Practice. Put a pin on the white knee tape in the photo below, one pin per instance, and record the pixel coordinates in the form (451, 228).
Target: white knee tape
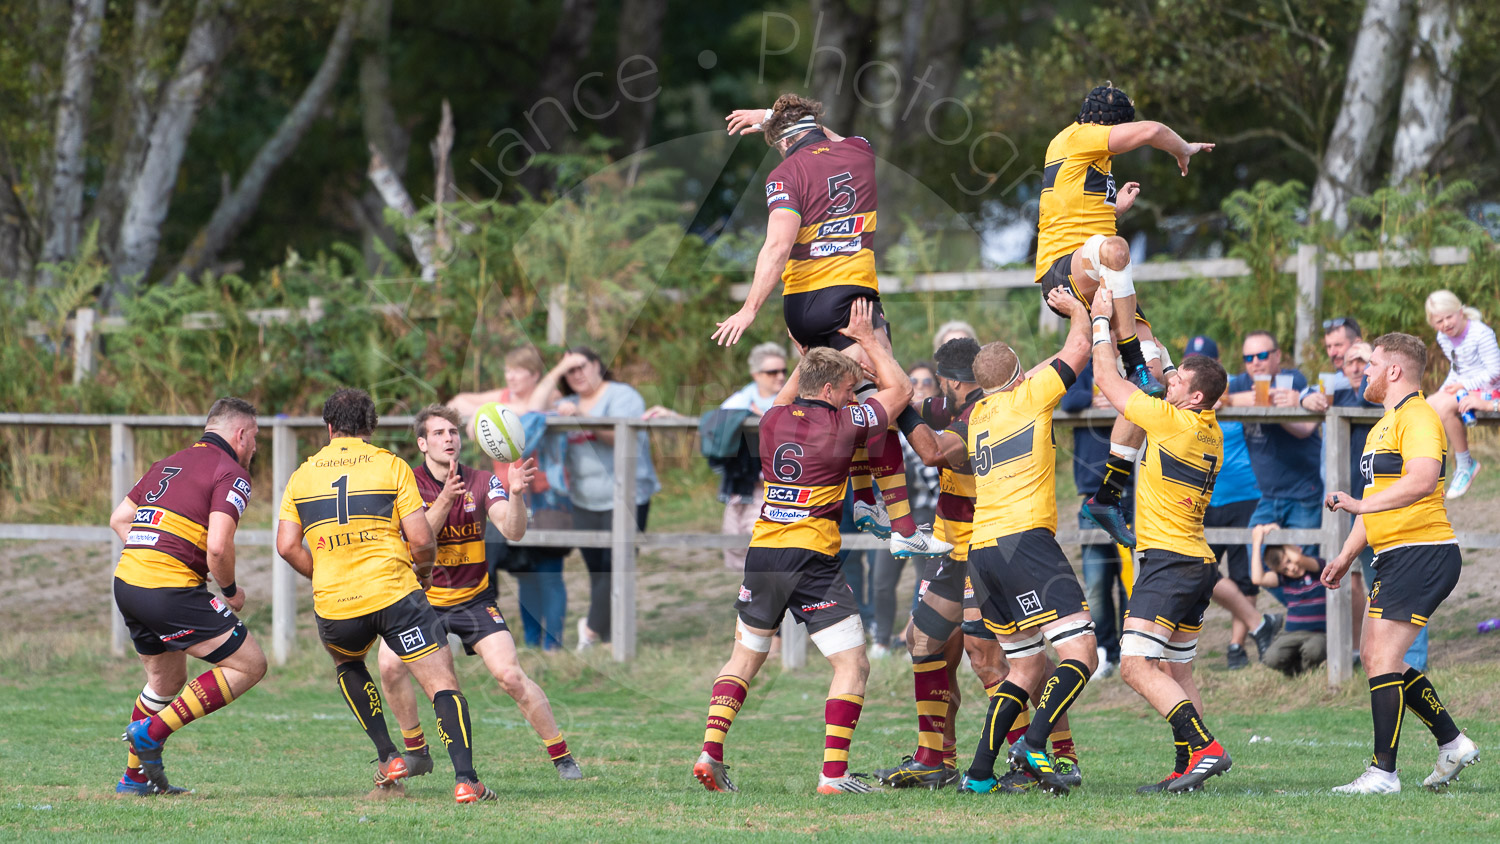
(1121, 283)
(1149, 350)
(847, 634)
(1125, 451)
(154, 700)
(1139, 643)
(1181, 652)
(1020, 649)
(1090, 250)
(750, 639)
(1070, 630)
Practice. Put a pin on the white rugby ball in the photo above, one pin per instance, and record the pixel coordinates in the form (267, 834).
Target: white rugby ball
(498, 431)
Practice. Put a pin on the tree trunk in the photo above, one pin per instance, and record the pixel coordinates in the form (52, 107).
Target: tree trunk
(65, 197)
(151, 193)
(17, 234)
(839, 37)
(384, 177)
(133, 115)
(235, 209)
(1427, 94)
(378, 118)
(639, 37)
(1374, 67)
(548, 119)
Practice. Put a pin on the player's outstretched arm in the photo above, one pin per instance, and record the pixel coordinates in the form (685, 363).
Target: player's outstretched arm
(1130, 136)
(1106, 376)
(894, 387)
(781, 233)
(1076, 348)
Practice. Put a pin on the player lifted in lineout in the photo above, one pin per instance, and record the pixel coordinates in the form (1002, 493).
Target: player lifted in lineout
(806, 444)
(820, 241)
(459, 500)
(1079, 251)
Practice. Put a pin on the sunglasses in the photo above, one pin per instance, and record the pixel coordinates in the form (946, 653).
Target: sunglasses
(923, 382)
(1336, 322)
(774, 373)
(1259, 355)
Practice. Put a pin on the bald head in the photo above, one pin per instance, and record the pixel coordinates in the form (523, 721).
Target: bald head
(996, 367)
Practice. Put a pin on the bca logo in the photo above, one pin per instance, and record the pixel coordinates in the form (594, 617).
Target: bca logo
(242, 486)
(788, 495)
(863, 415)
(847, 227)
(1029, 602)
(412, 639)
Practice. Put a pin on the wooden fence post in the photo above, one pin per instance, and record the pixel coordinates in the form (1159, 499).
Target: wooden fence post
(121, 479)
(622, 545)
(1309, 298)
(283, 578)
(1336, 525)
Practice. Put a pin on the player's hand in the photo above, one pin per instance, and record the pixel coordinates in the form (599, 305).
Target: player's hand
(1065, 302)
(518, 479)
(1125, 197)
(861, 327)
(1337, 501)
(237, 603)
(801, 349)
(730, 330)
(1333, 573)
(745, 121)
(1192, 150)
(453, 486)
(1104, 304)
(424, 580)
(1315, 402)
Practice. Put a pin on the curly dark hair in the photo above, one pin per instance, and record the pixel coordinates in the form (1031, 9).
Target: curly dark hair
(957, 357)
(789, 109)
(350, 413)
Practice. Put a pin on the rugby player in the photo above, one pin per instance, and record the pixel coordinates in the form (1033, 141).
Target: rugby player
(178, 524)
(820, 242)
(353, 502)
(1023, 581)
(806, 444)
(937, 636)
(1403, 517)
(458, 500)
(1176, 571)
(1079, 251)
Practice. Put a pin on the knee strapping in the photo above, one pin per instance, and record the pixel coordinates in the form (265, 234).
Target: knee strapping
(1070, 630)
(977, 629)
(227, 649)
(1030, 646)
(843, 636)
(750, 639)
(1090, 250)
(1141, 643)
(1181, 652)
(932, 623)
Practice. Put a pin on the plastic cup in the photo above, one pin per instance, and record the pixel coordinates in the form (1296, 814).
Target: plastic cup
(1262, 390)
(1284, 381)
(1325, 383)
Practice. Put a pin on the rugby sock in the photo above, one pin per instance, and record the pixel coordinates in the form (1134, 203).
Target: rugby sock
(146, 705)
(415, 740)
(1062, 745)
(888, 467)
(724, 703)
(1187, 724)
(1006, 703)
(454, 731)
(840, 715)
(862, 484)
(950, 755)
(930, 676)
(1058, 693)
(1386, 703)
(1019, 726)
(1116, 475)
(363, 698)
(557, 748)
(1421, 698)
(1183, 754)
(1130, 352)
(208, 692)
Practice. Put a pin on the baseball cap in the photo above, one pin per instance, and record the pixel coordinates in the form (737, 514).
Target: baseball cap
(1203, 345)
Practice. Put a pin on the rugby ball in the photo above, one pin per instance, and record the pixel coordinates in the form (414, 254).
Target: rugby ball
(498, 431)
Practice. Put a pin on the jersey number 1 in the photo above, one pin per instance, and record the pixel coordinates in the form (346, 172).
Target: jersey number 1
(342, 504)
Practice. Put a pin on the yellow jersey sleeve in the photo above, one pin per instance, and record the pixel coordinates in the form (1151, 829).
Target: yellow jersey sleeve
(1156, 417)
(1043, 390)
(1421, 435)
(289, 506)
(408, 499)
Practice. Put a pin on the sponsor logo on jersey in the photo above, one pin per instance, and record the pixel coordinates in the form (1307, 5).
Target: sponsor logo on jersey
(745, 594)
(863, 415)
(219, 606)
(340, 462)
(775, 187)
(243, 486)
(340, 540)
(785, 515)
(237, 500)
(789, 495)
(142, 537)
(778, 197)
(147, 516)
(468, 502)
(825, 248)
(820, 150)
(1029, 602)
(844, 227)
(497, 490)
(412, 639)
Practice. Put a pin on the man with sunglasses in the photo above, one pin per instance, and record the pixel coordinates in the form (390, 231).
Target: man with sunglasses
(1287, 456)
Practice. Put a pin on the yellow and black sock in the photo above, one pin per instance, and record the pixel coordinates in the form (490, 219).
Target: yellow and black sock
(454, 730)
(1421, 698)
(1116, 476)
(359, 691)
(1131, 354)
(1006, 703)
(1386, 703)
(1186, 723)
(1059, 692)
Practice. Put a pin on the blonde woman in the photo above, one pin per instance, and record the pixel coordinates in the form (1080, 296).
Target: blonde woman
(1474, 356)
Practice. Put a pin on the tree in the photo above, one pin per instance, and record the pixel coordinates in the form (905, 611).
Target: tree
(1427, 93)
(65, 196)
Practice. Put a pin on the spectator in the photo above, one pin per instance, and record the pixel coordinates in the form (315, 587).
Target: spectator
(1286, 457)
(951, 330)
(1293, 577)
(540, 591)
(1235, 498)
(588, 389)
(1339, 334)
(1101, 563)
(742, 506)
(922, 487)
(1471, 350)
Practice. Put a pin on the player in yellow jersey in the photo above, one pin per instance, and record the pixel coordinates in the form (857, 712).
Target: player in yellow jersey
(372, 554)
(1079, 251)
(1176, 572)
(1417, 562)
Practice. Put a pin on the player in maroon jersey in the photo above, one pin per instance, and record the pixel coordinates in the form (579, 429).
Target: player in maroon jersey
(820, 242)
(178, 525)
(807, 442)
(459, 499)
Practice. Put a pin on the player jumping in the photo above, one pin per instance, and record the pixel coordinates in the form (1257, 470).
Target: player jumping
(1079, 251)
(820, 242)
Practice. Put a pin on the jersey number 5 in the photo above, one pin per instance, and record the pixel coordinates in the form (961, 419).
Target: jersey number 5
(841, 195)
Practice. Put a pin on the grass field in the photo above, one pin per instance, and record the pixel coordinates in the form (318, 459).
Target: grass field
(288, 761)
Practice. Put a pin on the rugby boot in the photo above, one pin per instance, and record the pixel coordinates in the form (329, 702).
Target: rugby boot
(1036, 762)
(913, 774)
(567, 768)
(1372, 781)
(950, 776)
(846, 784)
(1235, 657)
(1202, 764)
(471, 791)
(1270, 626)
(969, 785)
(146, 789)
(1147, 383)
(872, 518)
(712, 773)
(148, 750)
(1110, 517)
(418, 763)
(1452, 758)
(919, 544)
(390, 770)
(1017, 781)
(1158, 787)
(1069, 771)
